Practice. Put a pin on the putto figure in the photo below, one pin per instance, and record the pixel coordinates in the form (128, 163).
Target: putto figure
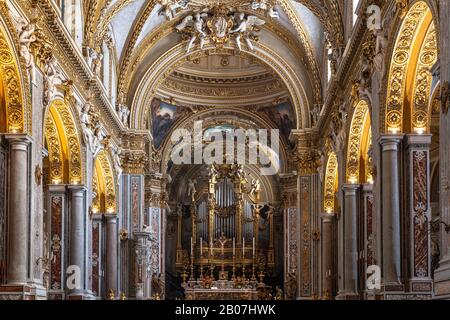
(198, 24)
(245, 28)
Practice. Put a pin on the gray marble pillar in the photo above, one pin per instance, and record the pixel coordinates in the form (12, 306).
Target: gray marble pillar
(77, 250)
(111, 253)
(327, 255)
(390, 184)
(349, 290)
(18, 207)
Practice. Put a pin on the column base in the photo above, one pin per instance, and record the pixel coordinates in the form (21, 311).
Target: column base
(396, 291)
(81, 296)
(442, 279)
(22, 292)
(421, 286)
(56, 295)
(347, 296)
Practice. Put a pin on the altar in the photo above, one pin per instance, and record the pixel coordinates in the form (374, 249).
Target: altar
(221, 294)
(222, 290)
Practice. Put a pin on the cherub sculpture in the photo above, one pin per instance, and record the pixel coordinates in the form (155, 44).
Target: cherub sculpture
(169, 8)
(196, 21)
(244, 29)
(26, 38)
(263, 5)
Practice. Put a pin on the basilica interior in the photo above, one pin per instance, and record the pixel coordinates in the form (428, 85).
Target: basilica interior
(94, 95)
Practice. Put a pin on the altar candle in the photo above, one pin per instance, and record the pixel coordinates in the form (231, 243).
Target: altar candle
(243, 247)
(201, 246)
(211, 246)
(234, 248)
(253, 247)
(192, 249)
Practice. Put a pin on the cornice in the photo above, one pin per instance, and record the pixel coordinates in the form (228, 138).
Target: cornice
(341, 78)
(71, 58)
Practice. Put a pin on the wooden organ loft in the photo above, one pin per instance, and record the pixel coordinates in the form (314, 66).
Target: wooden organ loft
(231, 246)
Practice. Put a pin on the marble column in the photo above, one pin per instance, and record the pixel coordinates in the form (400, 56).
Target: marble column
(77, 216)
(327, 255)
(18, 207)
(57, 246)
(418, 214)
(97, 254)
(368, 233)
(349, 291)
(111, 253)
(390, 184)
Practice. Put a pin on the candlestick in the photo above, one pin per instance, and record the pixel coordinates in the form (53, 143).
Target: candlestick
(234, 247)
(192, 249)
(253, 247)
(211, 246)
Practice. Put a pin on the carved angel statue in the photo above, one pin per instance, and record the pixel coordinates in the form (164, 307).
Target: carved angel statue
(85, 120)
(265, 6)
(191, 188)
(255, 188)
(97, 64)
(381, 43)
(123, 112)
(53, 78)
(315, 113)
(91, 55)
(245, 28)
(97, 140)
(115, 153)
(198, 24)
(169, 8)
(26, 38)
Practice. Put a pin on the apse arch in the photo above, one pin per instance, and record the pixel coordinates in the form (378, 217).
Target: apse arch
(16, 107)
(63, 143)
(177, 55)
(359, 143)
(409, 78)
(133, 42)
(104, 184)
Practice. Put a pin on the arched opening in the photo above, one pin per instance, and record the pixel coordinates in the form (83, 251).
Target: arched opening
(63, 145)
(62, 170)
(359, 144)
(409, 81)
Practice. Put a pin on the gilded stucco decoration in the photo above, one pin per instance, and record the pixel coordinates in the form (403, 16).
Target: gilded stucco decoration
(9, 71)
(133, 55)
(176, 57)
(54, 151)
(63, 126)
(330, 183)
(402, 55)
(423, 80)
(108, 180)
(96, 193)
(360, 116)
